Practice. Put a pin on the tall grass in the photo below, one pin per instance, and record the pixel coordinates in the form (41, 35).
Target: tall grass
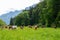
(30, 34)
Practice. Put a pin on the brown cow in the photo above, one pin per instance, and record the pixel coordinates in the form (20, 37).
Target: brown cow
(21, 27)
(30, 26)
(4, 27)
(35, 27)
(10, 27)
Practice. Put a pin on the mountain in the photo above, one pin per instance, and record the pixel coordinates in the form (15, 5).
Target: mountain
(6, 17)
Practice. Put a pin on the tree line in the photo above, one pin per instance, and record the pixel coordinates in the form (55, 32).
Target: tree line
(46, 13)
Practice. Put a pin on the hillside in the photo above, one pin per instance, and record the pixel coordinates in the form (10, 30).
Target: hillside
(6, 17)
(2, 23)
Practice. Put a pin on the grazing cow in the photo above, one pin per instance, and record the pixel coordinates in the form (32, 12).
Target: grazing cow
(21, 27)
(43, 26)
(54, 26)
(12, 27)
(36, 27)
(30, 26)
(5, 26)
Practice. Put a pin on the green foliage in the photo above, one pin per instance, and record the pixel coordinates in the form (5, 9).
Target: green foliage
(2, 23)
(22, 18)
(52, 12)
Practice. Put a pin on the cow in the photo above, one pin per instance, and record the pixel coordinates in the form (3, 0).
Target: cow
(21, 27)
(12, 27)
(30, 26)
(35, 27)
(6, 27)
(3, 27)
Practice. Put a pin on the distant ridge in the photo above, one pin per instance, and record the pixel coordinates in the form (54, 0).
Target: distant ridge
(6, 17)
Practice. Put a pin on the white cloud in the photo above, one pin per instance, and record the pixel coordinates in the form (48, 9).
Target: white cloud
(8, 5)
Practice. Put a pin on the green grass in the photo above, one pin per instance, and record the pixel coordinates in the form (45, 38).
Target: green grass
(30, 34)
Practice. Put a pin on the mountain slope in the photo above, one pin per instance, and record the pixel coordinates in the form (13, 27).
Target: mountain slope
(6, 17)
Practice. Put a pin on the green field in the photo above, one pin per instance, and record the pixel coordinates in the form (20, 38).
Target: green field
(30, 34)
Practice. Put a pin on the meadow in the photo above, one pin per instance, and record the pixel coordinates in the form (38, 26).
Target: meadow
(30, 34)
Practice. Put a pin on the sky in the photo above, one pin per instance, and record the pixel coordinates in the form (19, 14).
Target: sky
(11, 5)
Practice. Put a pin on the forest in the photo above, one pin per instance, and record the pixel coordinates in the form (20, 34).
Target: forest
(46, 13)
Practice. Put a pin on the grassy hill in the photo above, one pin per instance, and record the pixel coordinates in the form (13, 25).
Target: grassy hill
(2, 23)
